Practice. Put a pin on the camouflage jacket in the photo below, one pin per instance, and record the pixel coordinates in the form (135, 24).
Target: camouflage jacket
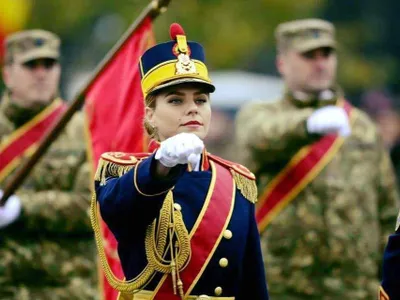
(328, 242)
(48, 253)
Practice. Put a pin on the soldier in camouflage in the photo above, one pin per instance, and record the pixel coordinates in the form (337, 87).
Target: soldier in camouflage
(48, 251)
(327, 242)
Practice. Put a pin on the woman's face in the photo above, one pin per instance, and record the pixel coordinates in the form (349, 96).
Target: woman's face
(184, 108)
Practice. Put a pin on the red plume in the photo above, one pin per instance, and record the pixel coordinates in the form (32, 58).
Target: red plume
(174, 30)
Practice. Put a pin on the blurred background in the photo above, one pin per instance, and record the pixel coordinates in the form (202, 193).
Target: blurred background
(239, 42)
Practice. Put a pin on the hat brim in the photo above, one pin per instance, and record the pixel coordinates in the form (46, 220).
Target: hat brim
(315, 44)
(37, 54)
(179, 81)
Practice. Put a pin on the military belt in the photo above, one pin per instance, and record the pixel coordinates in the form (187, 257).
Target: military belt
(147, 295)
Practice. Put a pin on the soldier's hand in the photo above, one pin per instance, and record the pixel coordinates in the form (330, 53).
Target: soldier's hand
(329, 119)
(182, 148)
(10, 211)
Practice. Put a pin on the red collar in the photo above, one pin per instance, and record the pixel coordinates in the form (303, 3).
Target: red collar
(153, 145)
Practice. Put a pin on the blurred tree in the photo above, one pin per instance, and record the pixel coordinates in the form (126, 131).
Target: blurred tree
(388, 43)
(231, 31)
(235, 33)
(369, 50)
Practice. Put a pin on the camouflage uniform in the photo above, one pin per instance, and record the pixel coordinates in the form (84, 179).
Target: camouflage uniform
(49, 252)
(328, 242)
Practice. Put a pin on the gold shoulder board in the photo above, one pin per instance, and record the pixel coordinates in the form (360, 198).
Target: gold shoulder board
(244, 178)
(116, 164)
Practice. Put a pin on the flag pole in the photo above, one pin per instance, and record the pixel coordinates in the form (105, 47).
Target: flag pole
(152, 10)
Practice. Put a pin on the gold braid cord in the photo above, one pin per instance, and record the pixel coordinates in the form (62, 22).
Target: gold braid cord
(172, 228)
(167, 234)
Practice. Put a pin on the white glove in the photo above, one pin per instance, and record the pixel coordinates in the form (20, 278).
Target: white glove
(10, 211)
(182, 148)
(329, 119)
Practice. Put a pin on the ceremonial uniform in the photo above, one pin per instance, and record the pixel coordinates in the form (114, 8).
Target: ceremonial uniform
(391, 267)
(326, 202)
(48, 252)
(192, 234)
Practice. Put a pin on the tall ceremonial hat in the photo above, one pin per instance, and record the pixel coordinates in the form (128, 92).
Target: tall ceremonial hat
(175, 62)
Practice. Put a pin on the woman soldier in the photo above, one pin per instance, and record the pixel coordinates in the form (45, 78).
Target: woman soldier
(183, 218)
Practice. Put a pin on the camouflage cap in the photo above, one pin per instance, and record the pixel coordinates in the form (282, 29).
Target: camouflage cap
(32, 44)
(305, 35)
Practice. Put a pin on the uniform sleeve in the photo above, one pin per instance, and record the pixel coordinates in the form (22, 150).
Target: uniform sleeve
(269, 133)
(388, 196)
(391, 267)
(134, 199)
(254, 285)
(56, 210)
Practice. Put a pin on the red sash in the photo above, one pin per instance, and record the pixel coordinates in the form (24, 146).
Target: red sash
(206, 233)
(25, 140)
(296, 175)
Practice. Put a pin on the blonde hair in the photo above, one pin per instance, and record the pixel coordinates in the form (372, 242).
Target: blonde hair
(150, 102)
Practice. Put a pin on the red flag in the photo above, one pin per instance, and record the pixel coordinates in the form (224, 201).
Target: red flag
(114, 107)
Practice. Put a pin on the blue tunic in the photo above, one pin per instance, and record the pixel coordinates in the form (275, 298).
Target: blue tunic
(391, 267)
(128, 212)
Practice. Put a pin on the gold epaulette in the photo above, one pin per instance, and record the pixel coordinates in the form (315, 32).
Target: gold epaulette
(244, 179)
(116, 164)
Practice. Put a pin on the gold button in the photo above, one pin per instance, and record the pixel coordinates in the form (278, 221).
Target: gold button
(218, 291)
(223, 262)
(228, 234)
(177, 206)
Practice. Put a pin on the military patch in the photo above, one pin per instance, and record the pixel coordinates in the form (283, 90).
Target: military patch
(316, 33)
(39, 42)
